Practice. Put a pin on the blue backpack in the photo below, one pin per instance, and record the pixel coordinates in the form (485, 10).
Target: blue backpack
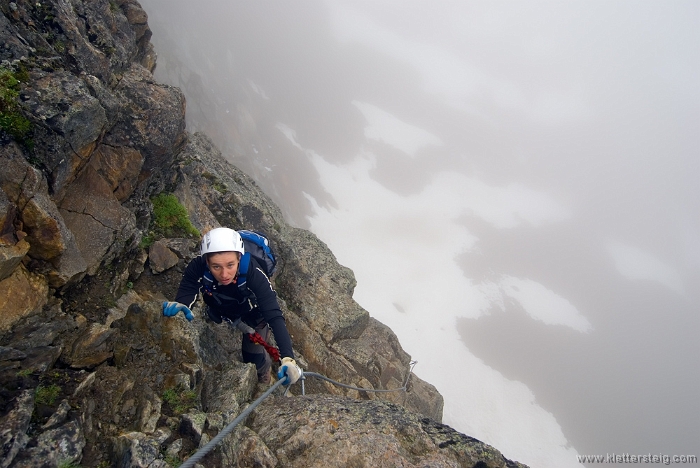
(256, 246)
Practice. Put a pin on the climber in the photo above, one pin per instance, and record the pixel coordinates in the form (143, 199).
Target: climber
(215, 273)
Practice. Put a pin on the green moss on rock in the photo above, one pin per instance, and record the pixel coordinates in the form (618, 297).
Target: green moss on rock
(12, 122)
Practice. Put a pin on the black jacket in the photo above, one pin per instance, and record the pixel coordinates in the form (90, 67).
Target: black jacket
(251, 308)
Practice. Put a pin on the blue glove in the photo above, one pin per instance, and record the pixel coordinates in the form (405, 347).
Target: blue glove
(172, 308)
(289, 371)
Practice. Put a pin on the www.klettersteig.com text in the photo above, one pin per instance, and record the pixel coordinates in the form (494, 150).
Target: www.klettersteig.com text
(634, 458)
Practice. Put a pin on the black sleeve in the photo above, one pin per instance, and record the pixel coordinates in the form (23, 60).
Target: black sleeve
(266, 298)
(189, 284)
(282, 338)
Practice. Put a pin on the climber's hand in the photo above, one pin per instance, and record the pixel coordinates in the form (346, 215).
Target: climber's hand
(172, 308)
(289, 371)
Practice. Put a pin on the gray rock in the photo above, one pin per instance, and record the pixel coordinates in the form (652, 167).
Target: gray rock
(156, 126)
(19, 180)
(11, 256)
(13, 47)
(21, 294)
(184, 248)
(42, 333)
(252, 451)
(377, 354)
(162, 434)
(42, 358)
(330, 431)
(91, 348)
(85, 384)
(136, 266)
(119, 167)
(214, 423)
(73, 120)
(160, 257)
(149, 412)
(11, 354)
(194, 372)
(137, 450)
(48, 236)
(173, 449)
(14, 425)
(96, 219)
(188, 196)
(192, 425)
(58, 417)
(55, 447)
(224, 392)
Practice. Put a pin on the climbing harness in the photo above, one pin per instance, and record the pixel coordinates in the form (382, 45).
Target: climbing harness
(201, 453)
(255, 337)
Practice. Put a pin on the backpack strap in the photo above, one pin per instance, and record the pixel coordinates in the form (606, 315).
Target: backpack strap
(243, 267)
(242, 279)
(208, 286)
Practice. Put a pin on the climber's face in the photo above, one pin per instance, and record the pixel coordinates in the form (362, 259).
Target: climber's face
(224, 266)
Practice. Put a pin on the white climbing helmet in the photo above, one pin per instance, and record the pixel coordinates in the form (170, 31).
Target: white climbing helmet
(222, 240)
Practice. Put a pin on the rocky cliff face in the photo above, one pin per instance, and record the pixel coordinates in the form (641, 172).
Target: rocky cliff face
(91, 372)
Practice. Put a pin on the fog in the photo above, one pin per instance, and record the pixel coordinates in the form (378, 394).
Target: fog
(514, 184)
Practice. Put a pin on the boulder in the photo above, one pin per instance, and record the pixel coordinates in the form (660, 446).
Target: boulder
(18, 179)
(13, 48)
(160, 257)
(11, 256)
(137, 449)
(149, 411)
(14, 425)
(199, 213)
(184, 248)
(47, 234)
(192, 425)
(20, 294)
(68, 268)
(73, 121)
(58, 417)
(61, 446)
(320, 431)
(119, 167)
(41, 358)
(98, 221)
(252, 451)
(156, 118)
(46, 229)
(90, 349)
(378, 356)
(226, 391)
(328, 306)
